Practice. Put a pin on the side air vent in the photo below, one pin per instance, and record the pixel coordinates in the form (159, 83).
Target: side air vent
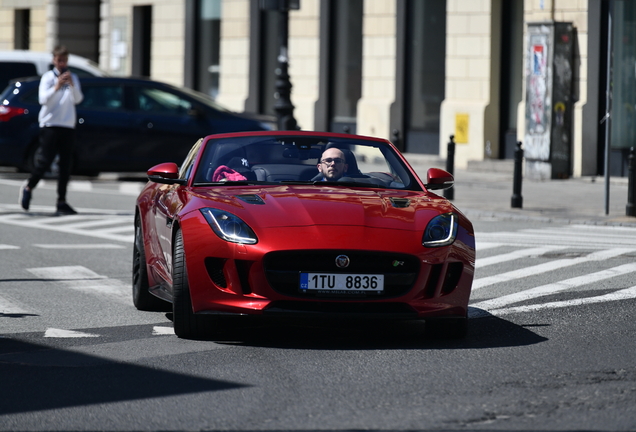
(251, 199)
(214, 266)
(400, 202)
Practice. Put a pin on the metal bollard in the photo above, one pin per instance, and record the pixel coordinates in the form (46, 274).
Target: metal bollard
(449, 193)
(517, 199)
(630, 209)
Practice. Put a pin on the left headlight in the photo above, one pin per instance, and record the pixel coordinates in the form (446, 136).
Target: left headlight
(229, 227)
(440, 231)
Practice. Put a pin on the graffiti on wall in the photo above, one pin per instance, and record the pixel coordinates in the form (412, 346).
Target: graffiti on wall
(537, 140)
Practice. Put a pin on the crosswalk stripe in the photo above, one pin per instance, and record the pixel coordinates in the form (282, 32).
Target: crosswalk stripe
(61, 333)
(58, 220)
(83, 279)
(118, 229)
(522, 253)
(624, 294)
(10, 307)
(549, 266)
(124, 223)
(80, 246)
(556, 287)
(480, 246)
(92, 223)
(570, 238)
(581, 236)
(162, 330)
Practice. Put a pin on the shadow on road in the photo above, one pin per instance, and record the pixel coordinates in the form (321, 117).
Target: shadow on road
(487, 332)
(36, 377)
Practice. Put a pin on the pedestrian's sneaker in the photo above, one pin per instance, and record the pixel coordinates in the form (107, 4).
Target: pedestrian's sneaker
(64, 209)
(25, 197)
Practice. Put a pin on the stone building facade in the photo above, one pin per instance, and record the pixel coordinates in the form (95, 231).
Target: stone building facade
(413, 71)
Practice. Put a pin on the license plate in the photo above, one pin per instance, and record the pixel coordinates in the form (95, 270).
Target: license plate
(337, 282)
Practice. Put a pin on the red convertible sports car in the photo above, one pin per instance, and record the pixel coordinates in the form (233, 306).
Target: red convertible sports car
(296, 224)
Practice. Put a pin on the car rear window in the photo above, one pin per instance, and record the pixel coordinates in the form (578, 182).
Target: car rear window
(11, 70)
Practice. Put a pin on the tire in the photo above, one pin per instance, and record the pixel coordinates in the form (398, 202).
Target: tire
(186, 323)
(447, 328)
(142, 298)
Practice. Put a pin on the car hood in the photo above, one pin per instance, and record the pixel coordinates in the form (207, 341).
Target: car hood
(286, 206)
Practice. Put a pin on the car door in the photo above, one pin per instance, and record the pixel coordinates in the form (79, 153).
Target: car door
(105, 130)
(168, 124)
(168, 201)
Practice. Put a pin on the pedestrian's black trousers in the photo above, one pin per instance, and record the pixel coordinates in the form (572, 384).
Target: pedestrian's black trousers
(54, 141)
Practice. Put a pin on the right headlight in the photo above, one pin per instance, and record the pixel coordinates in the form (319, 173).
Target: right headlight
(440, 231)
(229, 227)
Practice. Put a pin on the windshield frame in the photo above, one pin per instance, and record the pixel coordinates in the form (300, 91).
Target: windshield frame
(272, 160)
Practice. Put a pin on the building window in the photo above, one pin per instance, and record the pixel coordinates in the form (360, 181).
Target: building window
(623, 124)
(22, 36)
(208, 47)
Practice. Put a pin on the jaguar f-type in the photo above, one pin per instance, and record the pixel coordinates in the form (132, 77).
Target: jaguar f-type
(300, 224)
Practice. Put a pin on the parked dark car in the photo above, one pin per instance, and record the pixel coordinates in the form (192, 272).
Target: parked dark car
(123, 124)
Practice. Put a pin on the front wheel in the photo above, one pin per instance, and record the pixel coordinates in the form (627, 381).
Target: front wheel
(186, 323)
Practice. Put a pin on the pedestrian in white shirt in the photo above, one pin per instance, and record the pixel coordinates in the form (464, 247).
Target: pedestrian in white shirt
(59, 92)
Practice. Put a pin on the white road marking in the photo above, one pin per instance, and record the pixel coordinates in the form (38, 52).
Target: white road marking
(80, 246)
(82, 279)
(624, 294)
(131, 188)
(549, 266)
(6, 246)
(85, 186)
(60, 333)
(80, 185)
(161, 331)
(119, 226)
(580, 236)
(92, 223)
(479, 245)
(521, 253)
(552, 288)
(119, 229)
(10, 307)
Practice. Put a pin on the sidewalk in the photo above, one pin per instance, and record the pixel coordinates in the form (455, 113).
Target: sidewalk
(484, 190)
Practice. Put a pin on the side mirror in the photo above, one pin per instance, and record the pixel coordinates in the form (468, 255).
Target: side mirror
(437, 179)
(165, 173)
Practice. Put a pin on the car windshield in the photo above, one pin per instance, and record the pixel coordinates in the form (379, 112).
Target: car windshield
(303, 159)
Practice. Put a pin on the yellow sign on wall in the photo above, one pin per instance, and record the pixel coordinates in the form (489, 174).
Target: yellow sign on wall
(461, 128)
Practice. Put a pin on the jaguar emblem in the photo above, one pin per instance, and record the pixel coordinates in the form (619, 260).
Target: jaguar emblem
(342, 261)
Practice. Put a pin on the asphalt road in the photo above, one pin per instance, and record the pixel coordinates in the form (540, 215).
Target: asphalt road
(550, 346)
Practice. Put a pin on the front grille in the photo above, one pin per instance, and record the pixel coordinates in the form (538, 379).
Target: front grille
(283, 269)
